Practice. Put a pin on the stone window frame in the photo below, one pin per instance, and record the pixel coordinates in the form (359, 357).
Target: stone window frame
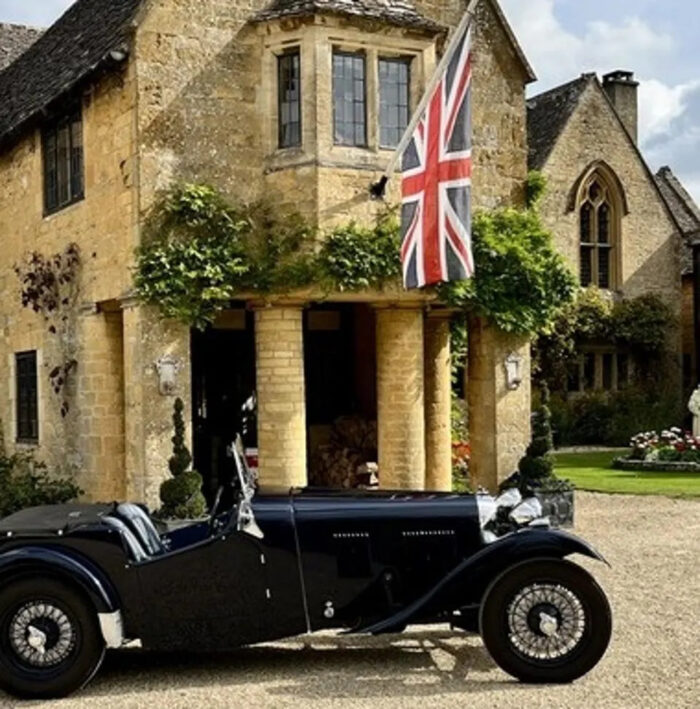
(316, 42)
(407, 61)
(608, 196)
(70, 122)
(361, 56)
(22, 390)
(595, 357)
(288, 53)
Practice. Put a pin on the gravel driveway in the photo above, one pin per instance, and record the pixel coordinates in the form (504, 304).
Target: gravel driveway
(653, 544)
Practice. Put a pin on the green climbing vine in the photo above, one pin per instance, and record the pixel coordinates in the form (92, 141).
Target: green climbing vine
(200, 252)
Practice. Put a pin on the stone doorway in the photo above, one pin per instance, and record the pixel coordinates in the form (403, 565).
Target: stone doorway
(223, 388)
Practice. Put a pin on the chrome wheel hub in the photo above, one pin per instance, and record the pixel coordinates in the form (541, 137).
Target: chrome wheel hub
(545, 621)
(41, 634)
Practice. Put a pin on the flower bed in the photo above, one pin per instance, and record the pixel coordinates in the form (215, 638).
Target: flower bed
(673, 450)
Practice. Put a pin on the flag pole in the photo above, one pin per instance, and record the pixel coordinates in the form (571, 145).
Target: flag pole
(378, 188)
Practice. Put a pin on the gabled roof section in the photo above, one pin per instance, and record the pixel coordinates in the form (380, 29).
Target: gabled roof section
(685, 211)
(396, 12)
(547, 116)
(15, 40)
(529, 71)
(90, 35)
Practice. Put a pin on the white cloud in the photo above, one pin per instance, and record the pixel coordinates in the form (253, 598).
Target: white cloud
(669, 115)
(660, 105)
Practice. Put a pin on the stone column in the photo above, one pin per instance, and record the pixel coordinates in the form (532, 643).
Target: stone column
(148, 411)
(438, 402)
(279, 348)
(499, 418)
(400, 398)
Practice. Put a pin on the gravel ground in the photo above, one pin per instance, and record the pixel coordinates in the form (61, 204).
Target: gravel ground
(653, 544)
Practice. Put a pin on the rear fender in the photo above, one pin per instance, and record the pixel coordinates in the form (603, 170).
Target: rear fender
(466, 583)
(58, 563)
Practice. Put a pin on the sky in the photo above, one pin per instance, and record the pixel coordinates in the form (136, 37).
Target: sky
(564, 38)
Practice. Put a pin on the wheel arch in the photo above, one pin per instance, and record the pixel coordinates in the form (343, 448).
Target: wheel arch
(73, 570)
(467, 583)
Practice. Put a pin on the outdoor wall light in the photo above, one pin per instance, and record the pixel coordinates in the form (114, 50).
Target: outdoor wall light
(167, 367)
(514, 377)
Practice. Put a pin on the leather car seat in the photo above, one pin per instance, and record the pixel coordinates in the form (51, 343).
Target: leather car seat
(140, 523)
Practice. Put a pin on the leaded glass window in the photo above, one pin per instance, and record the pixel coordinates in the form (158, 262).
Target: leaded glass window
(64, 181)
(289, 99)
(349, 99)
(26, 397)
(597, 235)
(394, 82)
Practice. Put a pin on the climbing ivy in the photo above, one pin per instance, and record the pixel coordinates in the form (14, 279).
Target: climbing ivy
(200, 252)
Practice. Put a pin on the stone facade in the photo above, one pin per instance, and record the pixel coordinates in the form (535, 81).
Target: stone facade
(194, 100)
(646, 253)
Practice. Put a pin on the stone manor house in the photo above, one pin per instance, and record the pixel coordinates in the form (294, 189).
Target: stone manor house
(303, 101)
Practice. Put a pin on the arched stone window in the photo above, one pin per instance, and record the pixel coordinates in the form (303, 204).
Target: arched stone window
(600, 211)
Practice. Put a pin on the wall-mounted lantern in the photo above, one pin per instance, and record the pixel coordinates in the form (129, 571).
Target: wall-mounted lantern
(514, 365)
(167, 368)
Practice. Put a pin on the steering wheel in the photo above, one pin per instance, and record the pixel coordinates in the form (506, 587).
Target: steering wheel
(215, 507)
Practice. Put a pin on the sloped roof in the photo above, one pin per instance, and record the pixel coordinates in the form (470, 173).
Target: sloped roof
(396, 12)
(77, 45)
(685, 211)
(15, 40)
(547, 116)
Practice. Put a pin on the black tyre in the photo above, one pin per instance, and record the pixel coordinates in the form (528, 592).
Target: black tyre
(50, 640)
(545, 621)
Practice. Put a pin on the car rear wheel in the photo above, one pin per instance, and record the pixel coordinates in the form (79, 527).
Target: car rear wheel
(50, 641)
(546, 621)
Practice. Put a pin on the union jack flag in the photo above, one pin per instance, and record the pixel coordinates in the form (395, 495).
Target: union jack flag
(436, 180)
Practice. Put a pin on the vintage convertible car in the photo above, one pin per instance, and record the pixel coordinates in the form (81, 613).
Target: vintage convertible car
(77, 579)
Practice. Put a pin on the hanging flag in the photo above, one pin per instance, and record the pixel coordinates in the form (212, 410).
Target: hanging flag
(436, 179)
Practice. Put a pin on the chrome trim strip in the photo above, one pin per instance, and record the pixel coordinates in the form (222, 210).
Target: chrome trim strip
(112, 627)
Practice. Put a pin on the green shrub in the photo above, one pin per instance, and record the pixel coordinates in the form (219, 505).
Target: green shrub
(668, 455)
(599, 418)
(26, 482)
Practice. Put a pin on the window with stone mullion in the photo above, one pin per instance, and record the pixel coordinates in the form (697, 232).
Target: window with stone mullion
(394, 84)
(349, 99)
(289, 99)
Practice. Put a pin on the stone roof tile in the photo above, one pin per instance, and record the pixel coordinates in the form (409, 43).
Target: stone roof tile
(685, 211)
(397, 12)
(547, 116)
(15, 40)
(82, 41)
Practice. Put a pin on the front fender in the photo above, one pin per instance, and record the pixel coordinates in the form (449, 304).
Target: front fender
(59, 562)
(466, 583)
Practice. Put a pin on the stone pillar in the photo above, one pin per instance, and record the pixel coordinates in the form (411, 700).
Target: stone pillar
(499, 418)
(148, 412)
(400, 398)
(438, 402)
(279, 348)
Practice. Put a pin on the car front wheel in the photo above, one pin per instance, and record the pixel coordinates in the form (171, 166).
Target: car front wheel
(50, 641)
(546, 621)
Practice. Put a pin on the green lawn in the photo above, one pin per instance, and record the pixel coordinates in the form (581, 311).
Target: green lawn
(593, 471)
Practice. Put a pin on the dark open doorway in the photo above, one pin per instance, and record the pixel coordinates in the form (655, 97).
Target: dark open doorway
(340, 373)
(223, 387)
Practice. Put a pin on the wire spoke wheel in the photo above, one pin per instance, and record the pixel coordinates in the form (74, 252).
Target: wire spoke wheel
(546, 621)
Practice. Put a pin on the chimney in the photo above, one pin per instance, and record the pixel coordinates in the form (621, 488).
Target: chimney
(621, 89)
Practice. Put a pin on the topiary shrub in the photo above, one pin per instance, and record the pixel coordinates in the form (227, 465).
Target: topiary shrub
(536, 469)
(181, 495)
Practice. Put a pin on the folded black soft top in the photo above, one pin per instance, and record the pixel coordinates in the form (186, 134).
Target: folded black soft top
(53, 518)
